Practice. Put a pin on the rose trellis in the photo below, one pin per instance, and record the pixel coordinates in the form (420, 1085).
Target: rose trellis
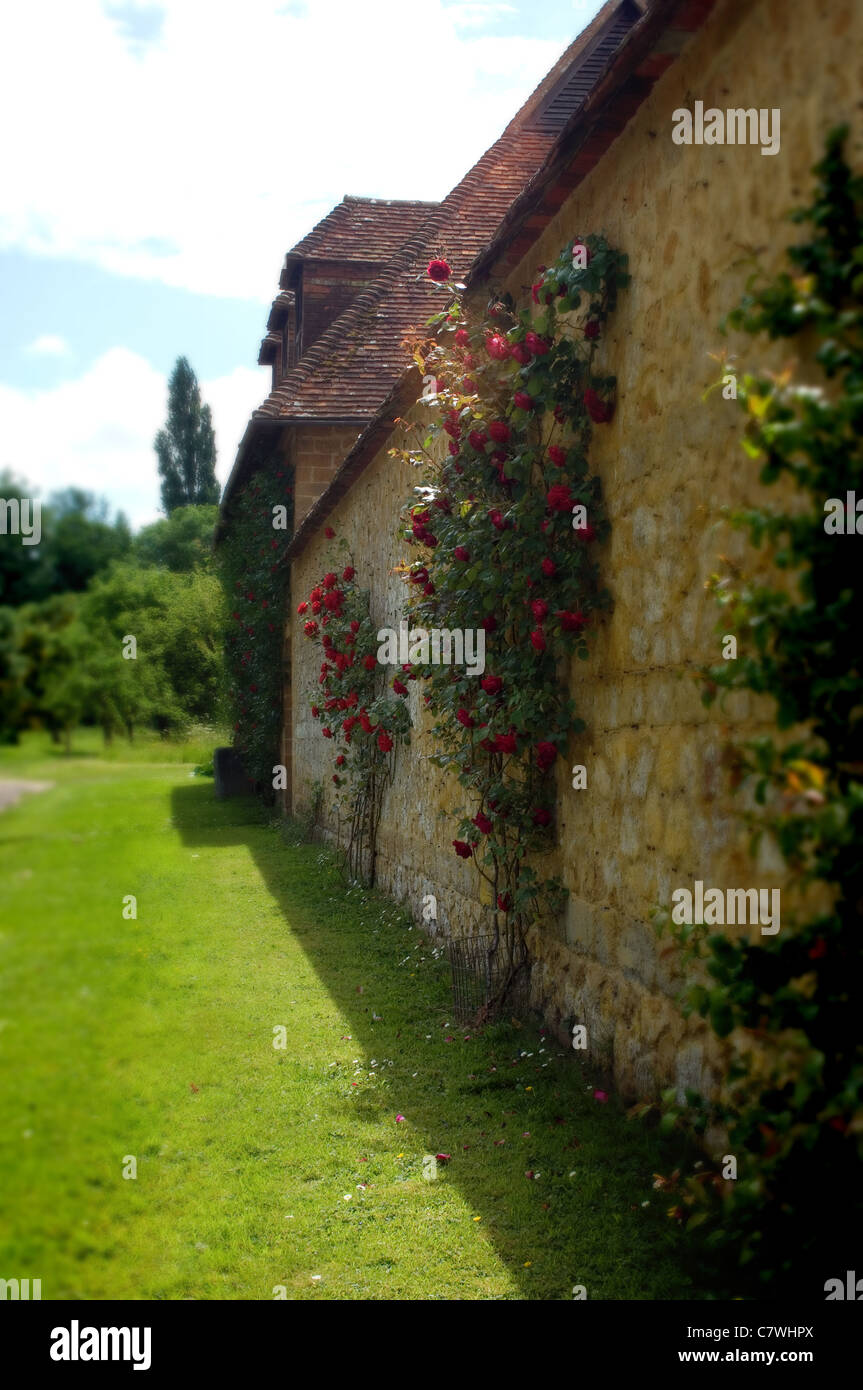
(361, 722)
(506, 522)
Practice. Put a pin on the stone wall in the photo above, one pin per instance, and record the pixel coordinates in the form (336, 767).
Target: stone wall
(317, 450)
(656, 813)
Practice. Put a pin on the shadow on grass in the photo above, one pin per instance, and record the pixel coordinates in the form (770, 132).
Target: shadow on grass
(609, 1230)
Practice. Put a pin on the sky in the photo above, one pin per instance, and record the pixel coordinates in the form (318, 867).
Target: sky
(161, 156)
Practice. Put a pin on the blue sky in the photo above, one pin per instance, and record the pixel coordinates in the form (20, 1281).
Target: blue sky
(150, 187)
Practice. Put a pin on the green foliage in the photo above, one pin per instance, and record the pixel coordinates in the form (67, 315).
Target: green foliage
(186, 447)
(249, 560)
(504, 547)
(794, 1108)
(79, 540)
(180, 542)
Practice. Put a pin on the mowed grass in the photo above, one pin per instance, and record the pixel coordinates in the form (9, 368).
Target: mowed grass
(259, 1167)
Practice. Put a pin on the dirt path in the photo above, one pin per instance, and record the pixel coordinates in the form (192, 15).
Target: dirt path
(11, 792)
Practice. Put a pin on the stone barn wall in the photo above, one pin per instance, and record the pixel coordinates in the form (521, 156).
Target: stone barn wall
(656, 813)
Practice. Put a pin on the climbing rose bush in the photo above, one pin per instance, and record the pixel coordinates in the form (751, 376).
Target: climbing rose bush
(361, 719)
(506, 525)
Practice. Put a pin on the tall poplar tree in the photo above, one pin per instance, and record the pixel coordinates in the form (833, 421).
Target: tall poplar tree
(186, 447)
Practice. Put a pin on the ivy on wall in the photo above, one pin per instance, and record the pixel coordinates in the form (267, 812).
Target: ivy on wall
(255, 579)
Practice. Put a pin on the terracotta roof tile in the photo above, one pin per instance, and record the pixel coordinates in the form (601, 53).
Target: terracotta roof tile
(356, 362)
(362, 229)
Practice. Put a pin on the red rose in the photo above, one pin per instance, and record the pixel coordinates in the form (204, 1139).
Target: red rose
(489, 623)
(419, 576)
(504, 902)
(496, 518)
(585, 533)
(600, 411)
(462, 337)
(522, 353)
(537, 345)
(546, 754)
(539, 609)
(315, 711)
(329, 532)
(399, 688)
(523, 401)
(348, 573)
(548, 567)
(541, 816)
(461, 554)
(477, 440)
(385, 743)
(453, 447)
(559, 498)
(506, 743)
(497, 347)
(310, 629)
(462, 848)
(428, 589)
(369, 662)
(591, 328)
(537, 637)
(330, 581)
(333, 600)
(327, 733)
(355, 627)
(499, 431)
(464, 718)
(340, 760)
(483, 823)
(492, 685)
(557, 455)
(439, 271)
(571, 621)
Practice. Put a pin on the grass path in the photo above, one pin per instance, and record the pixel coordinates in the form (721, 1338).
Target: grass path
(260, 1167)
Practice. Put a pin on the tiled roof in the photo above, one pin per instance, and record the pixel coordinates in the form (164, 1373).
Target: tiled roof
(356, 361)
(362, 229)
(660, 37)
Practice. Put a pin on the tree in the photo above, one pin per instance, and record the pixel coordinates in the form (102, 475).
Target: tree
(186, 447)
(180, 542)
(78, 541)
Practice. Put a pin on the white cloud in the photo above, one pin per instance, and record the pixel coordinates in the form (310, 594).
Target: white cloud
(97, 431)
(48, 345)
(198, 156)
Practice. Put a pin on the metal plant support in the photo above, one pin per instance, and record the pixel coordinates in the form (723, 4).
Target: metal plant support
(489, 975)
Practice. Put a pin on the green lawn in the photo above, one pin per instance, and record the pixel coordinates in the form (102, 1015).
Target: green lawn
(260, 1167)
